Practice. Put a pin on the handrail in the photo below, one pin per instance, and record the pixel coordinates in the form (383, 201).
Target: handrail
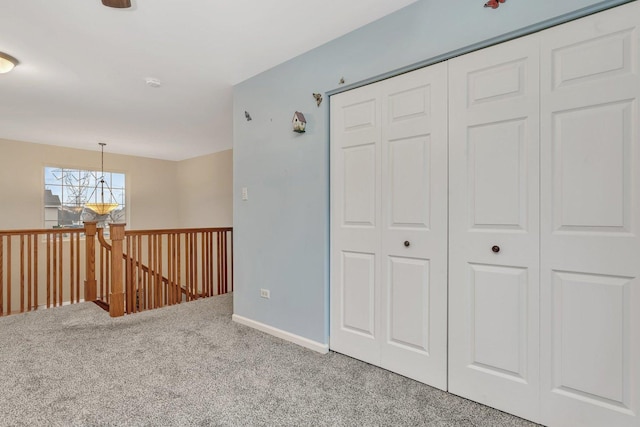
(176, 230)
(102, 240)
(39, 231)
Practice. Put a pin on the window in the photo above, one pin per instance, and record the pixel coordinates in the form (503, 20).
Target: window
(67, 190)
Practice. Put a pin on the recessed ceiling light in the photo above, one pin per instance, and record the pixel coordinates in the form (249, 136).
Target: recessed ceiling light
(7, 62)
(153, 82)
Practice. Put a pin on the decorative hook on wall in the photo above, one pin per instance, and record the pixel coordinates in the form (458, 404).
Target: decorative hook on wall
(493, 4)
(318, 98)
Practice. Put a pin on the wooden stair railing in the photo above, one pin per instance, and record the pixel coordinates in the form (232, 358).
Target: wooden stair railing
(40, 268)
(195, 266)
(152, 268)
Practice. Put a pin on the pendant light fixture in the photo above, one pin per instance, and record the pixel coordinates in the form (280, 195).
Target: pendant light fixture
(101, 208)
(7, 62)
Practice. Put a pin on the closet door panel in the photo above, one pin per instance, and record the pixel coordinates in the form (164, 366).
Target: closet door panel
(414, 225)
(355, 224)
(590, 229)
(494, 226)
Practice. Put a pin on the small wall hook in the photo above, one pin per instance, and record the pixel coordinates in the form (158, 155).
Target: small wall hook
(493, 4)
(318, 98)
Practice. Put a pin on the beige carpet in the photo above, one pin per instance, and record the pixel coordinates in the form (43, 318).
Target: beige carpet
(191, 365)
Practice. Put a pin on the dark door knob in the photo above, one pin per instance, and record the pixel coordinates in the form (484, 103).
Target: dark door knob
(495, 249)
(407, 243)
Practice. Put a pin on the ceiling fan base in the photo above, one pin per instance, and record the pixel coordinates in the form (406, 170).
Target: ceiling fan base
(119, 4)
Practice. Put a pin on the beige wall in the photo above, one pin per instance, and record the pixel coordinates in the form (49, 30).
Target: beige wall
(151, 184)
(160, 194)
(205, 198)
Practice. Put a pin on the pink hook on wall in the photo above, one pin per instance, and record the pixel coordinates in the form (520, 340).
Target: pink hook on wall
(493, 4)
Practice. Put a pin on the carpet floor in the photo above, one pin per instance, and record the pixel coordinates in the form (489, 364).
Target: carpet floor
(191, 365)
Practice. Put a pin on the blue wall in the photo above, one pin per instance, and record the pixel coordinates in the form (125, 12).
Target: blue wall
(282, 231)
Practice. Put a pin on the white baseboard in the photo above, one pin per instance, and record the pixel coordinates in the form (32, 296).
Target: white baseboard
(287, 336)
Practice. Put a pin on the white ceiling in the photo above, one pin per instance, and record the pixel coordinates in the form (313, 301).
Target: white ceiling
(81, 78)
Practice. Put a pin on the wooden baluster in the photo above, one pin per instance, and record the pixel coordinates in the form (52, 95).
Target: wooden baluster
(60, 282)
(196, 285)
(131, 283)
(22, 290)
(212, 256)
(55, 268)
(187, 266)
(191, 264)
(163, 294)
(107, 269)
(152, 272)
(202, 264)
(209, 265)
(132, 275)
(48, 270)
(219, 263)
(90, 257)
(9, 284)
(169, 287)
(72, 287)
(78, 266)
(179, 275)
(224, 262)
(139, 285)
(127, 282)
(156, 297)
(29, 274)
(205, 264)
(176, 270)
(221, 257)
(102, 273)
(148, 278)
(36, 241)
(116, 299)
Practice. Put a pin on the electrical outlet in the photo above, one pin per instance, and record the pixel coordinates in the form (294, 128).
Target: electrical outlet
(245, 193)
(264, 293)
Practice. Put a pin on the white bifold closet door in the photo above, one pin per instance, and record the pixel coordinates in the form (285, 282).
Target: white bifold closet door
(389, 224)
(590, 250)
(494, 226)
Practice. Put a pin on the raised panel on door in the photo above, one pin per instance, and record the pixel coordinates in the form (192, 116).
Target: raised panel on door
(498, 336)
(590, 221)
(414, 225)
(494, 226)
(355, 224)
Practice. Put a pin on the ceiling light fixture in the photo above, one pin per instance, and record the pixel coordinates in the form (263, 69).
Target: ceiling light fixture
(101, 208)
(7, 62)
(118, 4)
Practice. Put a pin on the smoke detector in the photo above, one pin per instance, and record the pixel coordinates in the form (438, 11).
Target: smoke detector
(153, 82)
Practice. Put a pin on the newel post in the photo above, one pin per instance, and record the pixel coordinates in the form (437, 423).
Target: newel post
(90, 258)
(116, 299)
